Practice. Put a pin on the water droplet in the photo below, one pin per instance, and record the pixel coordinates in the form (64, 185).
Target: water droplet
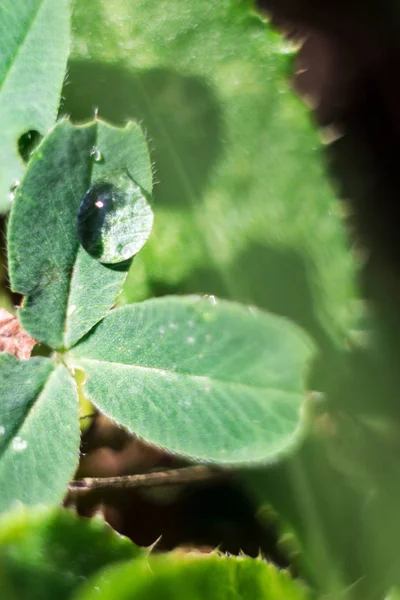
(173, 326)
(18, 444)
(13, 190)
(161, 330)
(96, 154)
(2, 430)
(212, 299)
(190, 340)
(114, 219)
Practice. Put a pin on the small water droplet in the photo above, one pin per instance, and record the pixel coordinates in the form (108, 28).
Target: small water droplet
(114, 219)
(96, 154)
(13, 190)
(161, 330)
(2, 430)
(18, 444)
(173, 326)
(212, 299)
(190, 340)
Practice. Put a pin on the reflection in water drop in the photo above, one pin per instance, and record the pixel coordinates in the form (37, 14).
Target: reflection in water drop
(114, 219)
(96, 154)
(18, 444)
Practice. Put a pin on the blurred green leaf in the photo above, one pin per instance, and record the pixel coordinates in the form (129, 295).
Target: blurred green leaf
(67, 290)
(47, 553)
(34, 46)
(39, 431)
(243, 209)
(211, 379)
(198, 577)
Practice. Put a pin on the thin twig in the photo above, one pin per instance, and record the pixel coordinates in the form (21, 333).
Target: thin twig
(171, 477)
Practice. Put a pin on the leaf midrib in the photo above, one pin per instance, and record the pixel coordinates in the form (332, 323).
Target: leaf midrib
(177, 374)
(31, 408)
(65, 332)
(27, 32)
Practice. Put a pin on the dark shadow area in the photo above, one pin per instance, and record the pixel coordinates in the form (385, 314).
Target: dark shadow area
(180, 115)
(198, 517)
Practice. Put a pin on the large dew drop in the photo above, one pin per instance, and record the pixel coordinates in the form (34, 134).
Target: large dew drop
(114, 219)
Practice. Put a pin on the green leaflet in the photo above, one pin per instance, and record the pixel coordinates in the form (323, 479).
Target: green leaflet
(203, 377)
(48, 553)
(179, 577)
(67, 291)
(34, 46)
(39, 427)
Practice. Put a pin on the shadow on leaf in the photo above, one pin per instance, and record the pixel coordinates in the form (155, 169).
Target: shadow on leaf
(179, 113)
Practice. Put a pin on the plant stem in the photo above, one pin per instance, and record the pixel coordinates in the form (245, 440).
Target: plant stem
(192, 474)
